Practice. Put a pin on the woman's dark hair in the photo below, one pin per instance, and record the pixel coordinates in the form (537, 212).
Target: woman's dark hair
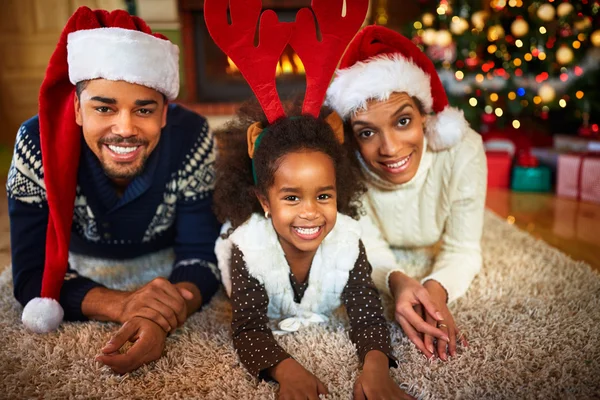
(235, 192)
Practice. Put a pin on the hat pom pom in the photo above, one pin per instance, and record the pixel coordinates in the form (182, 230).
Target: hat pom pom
(42, 315)
(446, 128)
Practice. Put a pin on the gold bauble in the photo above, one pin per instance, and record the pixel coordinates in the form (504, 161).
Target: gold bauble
(547, 93)
(595, 38)
(564, 9)
(582, 24)
(495, 32)
(479, 18)
(519, 27)
(458, 26)
(428, 19)
(429, 36)
(564, 55)
(443, 38)
(546, 12)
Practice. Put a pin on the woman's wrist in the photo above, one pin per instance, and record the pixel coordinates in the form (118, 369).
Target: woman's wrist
(396, 281)
(436, 288)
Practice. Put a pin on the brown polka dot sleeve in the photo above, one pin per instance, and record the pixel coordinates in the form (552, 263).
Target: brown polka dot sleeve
(368, 327)
(252, 337)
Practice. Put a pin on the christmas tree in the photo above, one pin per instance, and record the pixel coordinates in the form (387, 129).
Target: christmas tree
(517, 62)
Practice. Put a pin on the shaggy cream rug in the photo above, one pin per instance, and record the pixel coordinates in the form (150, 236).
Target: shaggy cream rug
(532, 317)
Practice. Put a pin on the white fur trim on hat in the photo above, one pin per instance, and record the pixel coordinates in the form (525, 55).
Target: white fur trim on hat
(119, 54)
(42, 315)
(446, 128)
(377, 79)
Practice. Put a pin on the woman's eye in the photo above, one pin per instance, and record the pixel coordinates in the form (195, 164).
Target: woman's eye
(404, 121)
(291, 198)
(365, 134)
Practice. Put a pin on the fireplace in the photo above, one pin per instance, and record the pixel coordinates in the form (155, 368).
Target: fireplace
(212, 78)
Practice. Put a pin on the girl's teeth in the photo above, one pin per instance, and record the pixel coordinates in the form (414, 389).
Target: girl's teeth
(307, 231)
(398, 164)
(122, 150)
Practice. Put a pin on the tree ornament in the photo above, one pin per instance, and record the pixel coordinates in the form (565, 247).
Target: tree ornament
(595, 38)
(564, 55)
(519, 27)
(427, 19)
(546, 12)
(443, 38)
(582, 24)
(479, 19)
(495, 32)
(564, 9)
(459, 25)
(547, 93)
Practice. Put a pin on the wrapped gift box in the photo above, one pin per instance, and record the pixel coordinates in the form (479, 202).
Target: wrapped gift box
(498, 164)
(531, 179)
(578, 176)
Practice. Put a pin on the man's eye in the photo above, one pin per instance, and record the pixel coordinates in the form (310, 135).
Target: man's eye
(145, 111)
(102, 109)
(404, 121)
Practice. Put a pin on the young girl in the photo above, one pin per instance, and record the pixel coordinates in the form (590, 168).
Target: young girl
(291, 254)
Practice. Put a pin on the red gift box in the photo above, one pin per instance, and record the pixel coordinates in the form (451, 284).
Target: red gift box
(498, 163)
(578, 176)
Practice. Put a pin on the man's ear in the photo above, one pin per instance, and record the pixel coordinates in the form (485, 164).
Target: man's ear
(77, 105)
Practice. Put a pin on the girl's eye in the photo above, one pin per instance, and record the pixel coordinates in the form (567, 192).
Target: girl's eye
(324, 197)
(291, 198)
(365, 134)
(404, 121)
(103, 110)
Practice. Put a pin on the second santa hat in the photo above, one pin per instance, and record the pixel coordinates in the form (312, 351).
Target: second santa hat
(380, 62)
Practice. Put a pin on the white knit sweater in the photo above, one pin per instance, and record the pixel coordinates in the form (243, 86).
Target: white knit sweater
(445, 200)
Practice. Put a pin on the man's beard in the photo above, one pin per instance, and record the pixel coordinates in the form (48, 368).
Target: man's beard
(128, 172)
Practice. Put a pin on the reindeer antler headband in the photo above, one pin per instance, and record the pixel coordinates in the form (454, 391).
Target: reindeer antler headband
(338, 21)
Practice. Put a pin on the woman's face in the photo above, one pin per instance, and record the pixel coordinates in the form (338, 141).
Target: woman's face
(389, 135)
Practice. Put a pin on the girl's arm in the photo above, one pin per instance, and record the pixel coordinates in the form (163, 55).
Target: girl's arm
(252, 338)
(368, 327)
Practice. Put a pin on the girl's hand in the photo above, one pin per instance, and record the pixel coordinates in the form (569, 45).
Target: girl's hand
(412, 301)
(446, 324)
(295, 382)
(374, 382)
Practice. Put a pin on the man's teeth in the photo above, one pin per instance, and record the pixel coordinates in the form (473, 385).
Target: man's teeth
(122, 150)
(399, 163)
(307, 231)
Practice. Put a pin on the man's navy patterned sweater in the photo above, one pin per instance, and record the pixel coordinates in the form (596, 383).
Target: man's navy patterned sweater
(168, 206)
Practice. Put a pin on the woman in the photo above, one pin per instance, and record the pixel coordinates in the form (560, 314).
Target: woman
(426, 173)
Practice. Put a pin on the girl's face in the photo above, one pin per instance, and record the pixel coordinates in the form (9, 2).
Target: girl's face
(389, 135)
(302, 200)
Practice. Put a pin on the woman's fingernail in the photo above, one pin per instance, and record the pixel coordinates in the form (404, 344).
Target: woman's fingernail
(430, 348)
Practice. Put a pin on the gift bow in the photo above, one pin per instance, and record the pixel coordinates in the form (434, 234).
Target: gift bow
(293, 324)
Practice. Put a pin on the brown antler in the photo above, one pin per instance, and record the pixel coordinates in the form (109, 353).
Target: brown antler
(320, 58)
(258, 64)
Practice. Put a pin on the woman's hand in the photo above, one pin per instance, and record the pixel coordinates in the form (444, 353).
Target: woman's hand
(438, 296)
(374, 382)
(412, 301)
(295, 382)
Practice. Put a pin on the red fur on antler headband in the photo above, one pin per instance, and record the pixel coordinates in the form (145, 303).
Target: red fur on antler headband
(338, 20)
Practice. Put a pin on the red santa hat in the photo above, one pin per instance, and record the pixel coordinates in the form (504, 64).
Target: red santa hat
(94, 44)
(379, 62)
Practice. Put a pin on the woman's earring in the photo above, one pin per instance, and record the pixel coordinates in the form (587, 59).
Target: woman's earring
(266, 214)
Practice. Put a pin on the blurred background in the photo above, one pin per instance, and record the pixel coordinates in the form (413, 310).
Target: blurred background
(526, 74)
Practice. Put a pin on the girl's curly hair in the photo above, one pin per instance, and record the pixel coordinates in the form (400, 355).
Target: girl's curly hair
(235, 192)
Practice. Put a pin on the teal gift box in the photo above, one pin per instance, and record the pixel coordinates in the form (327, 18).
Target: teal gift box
(531, 179)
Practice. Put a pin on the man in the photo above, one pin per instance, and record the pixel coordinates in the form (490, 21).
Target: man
(111, 184)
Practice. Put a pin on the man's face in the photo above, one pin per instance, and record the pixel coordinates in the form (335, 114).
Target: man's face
(121, 124)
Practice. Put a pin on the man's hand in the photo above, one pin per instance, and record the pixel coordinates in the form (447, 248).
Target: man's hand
(295, 382)
(148, 340)
(412, 301)
(374, 382)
